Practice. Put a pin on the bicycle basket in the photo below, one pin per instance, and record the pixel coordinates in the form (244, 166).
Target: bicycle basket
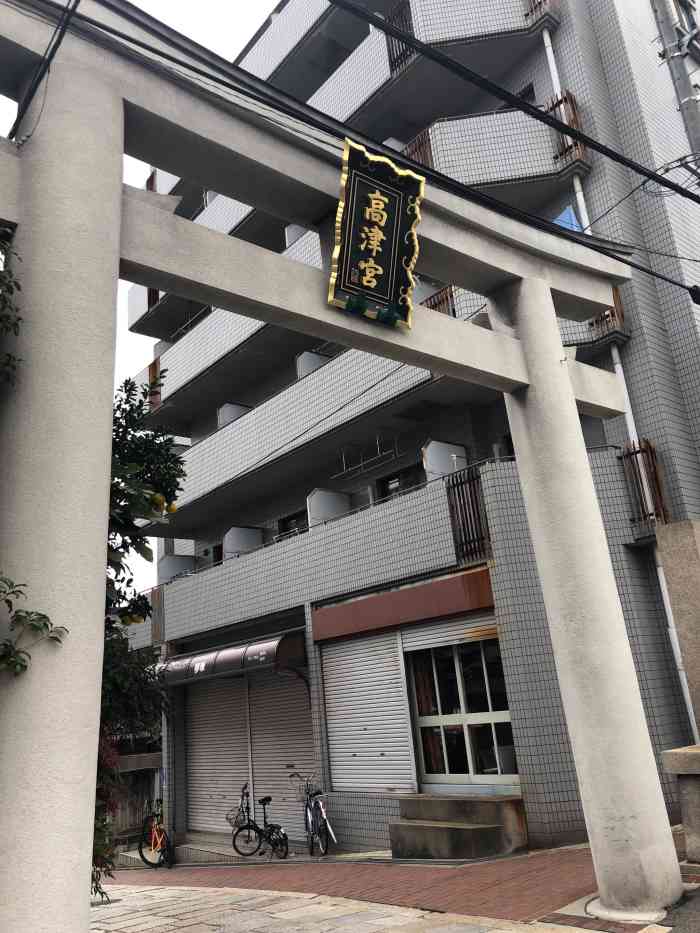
(235, 817)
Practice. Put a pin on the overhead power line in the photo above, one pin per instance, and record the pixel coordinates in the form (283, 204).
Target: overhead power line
(42, 69)
(251, 88)
(490, 87)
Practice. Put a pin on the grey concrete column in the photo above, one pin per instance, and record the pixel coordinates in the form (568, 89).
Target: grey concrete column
(55, 437)
(633, 852)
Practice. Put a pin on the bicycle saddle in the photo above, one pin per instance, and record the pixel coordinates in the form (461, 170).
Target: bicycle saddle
(264, 801)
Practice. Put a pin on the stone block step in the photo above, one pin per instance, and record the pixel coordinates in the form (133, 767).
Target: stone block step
(505, 811)
(441, 839)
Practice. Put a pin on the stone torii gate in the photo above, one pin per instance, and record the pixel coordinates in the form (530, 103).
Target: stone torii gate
(77, 230)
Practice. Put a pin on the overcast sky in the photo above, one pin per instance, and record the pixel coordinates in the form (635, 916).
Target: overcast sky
(224, 28)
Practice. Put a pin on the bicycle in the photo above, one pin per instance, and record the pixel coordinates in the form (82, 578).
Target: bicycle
(248, 838)
(316, 820)
(241, 816)
(155, 847)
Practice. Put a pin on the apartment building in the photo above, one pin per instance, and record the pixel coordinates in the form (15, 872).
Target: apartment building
(348, 586)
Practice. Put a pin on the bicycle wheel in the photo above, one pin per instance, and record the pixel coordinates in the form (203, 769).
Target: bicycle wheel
(154, 845)
(323, 836)
(246, 840)
(279, 843)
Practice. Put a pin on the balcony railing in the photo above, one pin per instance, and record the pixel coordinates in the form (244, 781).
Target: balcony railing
(565, 109)
(400, 54)
(610, 320)
(645, 487)
(442, 301)
(420, 149)
(470, 527)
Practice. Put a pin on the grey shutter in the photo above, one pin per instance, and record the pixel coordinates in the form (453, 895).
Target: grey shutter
(282, 741)
(368, 723)
(434, 634)
(216, 742)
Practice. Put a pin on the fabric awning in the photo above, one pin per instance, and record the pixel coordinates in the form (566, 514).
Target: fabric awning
(283, 652)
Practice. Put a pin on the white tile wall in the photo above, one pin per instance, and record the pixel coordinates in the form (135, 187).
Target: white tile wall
(360, 75)
(310, 405)
(396, 539)
(287, 28)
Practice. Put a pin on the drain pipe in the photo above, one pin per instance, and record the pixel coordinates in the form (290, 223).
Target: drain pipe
(631, 428)
(556, 85)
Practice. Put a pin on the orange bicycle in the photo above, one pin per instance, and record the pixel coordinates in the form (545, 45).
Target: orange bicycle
(155, 848)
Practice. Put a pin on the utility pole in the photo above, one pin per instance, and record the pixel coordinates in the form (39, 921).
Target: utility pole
(674, 52)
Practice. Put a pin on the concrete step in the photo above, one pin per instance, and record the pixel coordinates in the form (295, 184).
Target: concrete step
(505, 811)
(462, 809)
(442, 839)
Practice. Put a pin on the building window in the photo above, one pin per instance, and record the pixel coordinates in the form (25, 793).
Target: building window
(569, 220)
(168, 546)
(461, 714)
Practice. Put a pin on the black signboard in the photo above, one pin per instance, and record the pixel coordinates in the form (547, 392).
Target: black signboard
(376, 246)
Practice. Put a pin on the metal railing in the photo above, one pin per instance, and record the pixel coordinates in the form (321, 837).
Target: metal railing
(400, 54)
(644, 484)
(610, 320)
(442, 301)
(470, 528)
(535, 8)
(420, 149)
(565, 108)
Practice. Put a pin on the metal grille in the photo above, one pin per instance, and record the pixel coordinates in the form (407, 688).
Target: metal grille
(442, 301)
(420, 149)
(644, 484)
(468, 515)
(565, 108)
(537, 8)
(399, 53)
(610, 320)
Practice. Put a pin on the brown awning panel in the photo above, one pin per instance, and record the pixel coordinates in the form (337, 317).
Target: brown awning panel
(283, 652)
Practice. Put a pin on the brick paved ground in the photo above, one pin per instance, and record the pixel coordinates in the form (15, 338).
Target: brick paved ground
(166, 909)
(523, 888)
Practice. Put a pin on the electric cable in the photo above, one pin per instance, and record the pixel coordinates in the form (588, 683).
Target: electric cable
(255, 89)
(43, 69)
(519, 103)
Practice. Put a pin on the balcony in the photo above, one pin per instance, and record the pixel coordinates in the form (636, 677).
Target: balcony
(305, 41)
(594, 337)
(304, 412)
(463, 519)
(373, 85)
(509, 154)
(356, 551)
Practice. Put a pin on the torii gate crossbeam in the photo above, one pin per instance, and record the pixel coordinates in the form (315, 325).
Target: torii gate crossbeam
(63, 190)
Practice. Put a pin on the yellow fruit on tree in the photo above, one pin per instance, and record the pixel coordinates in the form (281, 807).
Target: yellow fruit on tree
(171, 507)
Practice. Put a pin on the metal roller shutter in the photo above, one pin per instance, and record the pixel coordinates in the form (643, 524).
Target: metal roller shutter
(435, 634)
(282, 741)
(217, 751)
(367, 716)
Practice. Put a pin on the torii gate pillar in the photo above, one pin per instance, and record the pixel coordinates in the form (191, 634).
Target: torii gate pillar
(634, 856)
(55, 427)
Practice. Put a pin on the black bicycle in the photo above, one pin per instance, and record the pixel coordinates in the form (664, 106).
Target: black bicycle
(316, 821)
(249, 837)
